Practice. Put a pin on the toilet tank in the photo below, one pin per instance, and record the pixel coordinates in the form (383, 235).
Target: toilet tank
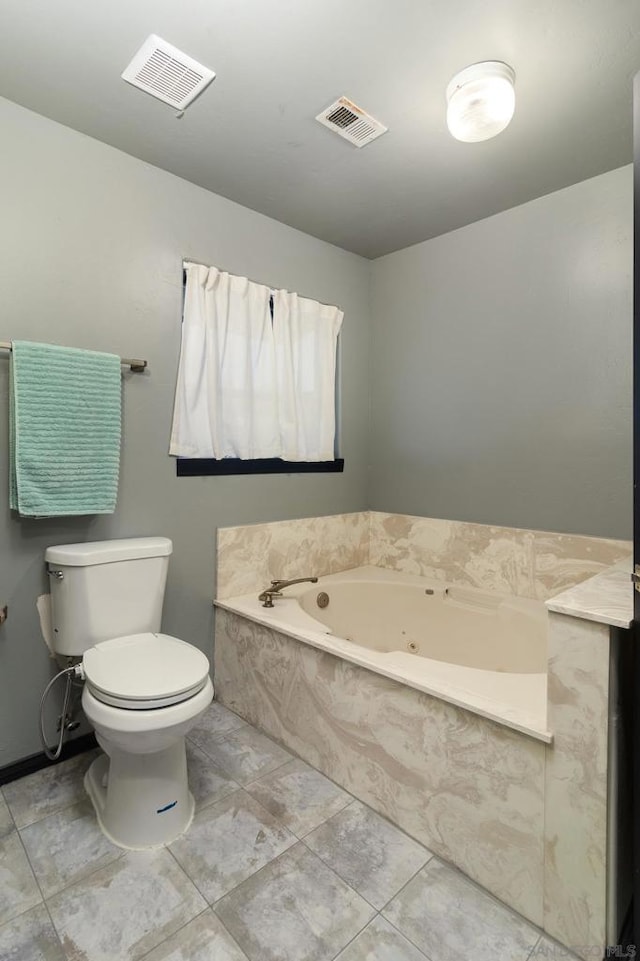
(105, 589)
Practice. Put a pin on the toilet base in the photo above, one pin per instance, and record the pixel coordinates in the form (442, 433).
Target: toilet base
(141, 800)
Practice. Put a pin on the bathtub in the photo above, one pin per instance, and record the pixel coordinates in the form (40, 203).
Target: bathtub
(481, 651)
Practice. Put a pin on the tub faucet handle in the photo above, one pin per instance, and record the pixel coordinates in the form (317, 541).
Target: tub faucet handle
(267, 596)
(275, 590)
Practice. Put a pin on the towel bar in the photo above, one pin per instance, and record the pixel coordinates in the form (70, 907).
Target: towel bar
(137, 366)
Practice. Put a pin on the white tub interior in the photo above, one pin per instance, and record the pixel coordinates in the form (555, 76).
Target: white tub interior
(479, 650)
(464, 626)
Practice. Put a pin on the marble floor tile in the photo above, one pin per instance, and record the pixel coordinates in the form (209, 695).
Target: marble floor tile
(372, 855)
(47, 791)
(380, 941)
(127, 908)
(548, 950)
(216, 722)
(246, 754)
(207, 782)
(31, 937)
(66, 847)
(299, 796)
(203, 939)
(296, 909)
(6, 821)
(276, 898)
(450, 919)
(228, 842)
(18, 888)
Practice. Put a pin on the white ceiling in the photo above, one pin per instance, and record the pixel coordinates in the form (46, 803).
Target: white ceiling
(252, 136)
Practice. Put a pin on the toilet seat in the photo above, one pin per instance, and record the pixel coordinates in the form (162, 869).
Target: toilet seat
(145, 671)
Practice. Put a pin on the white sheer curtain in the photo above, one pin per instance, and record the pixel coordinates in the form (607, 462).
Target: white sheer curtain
(306, 334)
(250, 386)
(226, 405)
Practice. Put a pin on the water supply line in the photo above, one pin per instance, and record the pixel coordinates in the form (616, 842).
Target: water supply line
(72, 673)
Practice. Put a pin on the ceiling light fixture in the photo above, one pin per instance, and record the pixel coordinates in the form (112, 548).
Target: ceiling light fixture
(480, 101)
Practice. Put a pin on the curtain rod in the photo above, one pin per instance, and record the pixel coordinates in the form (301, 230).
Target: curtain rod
(137, 366)
(260, 283)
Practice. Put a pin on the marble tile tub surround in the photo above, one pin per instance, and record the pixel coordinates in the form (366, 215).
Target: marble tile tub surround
(606, 598)
(575, 788)
(534, 564)
(509, 560)
(341, 885)
(469, 789)
(249, 557)
(525, 820)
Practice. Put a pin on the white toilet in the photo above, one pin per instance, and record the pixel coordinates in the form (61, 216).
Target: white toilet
(143, 690)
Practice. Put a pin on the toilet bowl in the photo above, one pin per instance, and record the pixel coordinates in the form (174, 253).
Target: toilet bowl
(143, 690)
(142, 694)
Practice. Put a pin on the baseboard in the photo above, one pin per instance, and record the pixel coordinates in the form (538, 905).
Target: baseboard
(36, 762)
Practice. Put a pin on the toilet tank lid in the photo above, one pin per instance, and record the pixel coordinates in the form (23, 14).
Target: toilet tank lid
(107, 552)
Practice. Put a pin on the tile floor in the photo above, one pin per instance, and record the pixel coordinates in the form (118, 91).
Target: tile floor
(280, 864)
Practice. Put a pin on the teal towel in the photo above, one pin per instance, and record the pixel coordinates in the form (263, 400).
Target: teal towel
(64, 430)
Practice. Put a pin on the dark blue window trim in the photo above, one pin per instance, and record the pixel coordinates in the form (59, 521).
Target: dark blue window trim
(205, 467)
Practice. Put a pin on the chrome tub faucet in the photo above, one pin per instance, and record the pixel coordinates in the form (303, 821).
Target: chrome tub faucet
(276, 588)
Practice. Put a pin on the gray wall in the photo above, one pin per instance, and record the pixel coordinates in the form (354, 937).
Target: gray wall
(501, 367)
(92, 243)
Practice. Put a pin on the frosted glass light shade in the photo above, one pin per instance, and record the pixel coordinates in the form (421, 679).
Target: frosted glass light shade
(481, 100)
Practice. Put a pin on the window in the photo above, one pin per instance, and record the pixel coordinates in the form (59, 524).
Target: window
(256, 380)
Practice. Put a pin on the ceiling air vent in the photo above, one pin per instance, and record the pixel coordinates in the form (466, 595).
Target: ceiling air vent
(165, 72)
(351, 122)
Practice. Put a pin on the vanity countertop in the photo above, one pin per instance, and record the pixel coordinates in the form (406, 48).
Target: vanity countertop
(607, 597)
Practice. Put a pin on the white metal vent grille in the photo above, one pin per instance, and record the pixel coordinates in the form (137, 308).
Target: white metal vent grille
(351, 122)
(167, 73)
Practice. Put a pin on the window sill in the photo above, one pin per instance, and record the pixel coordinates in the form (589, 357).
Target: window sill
(205, 467)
